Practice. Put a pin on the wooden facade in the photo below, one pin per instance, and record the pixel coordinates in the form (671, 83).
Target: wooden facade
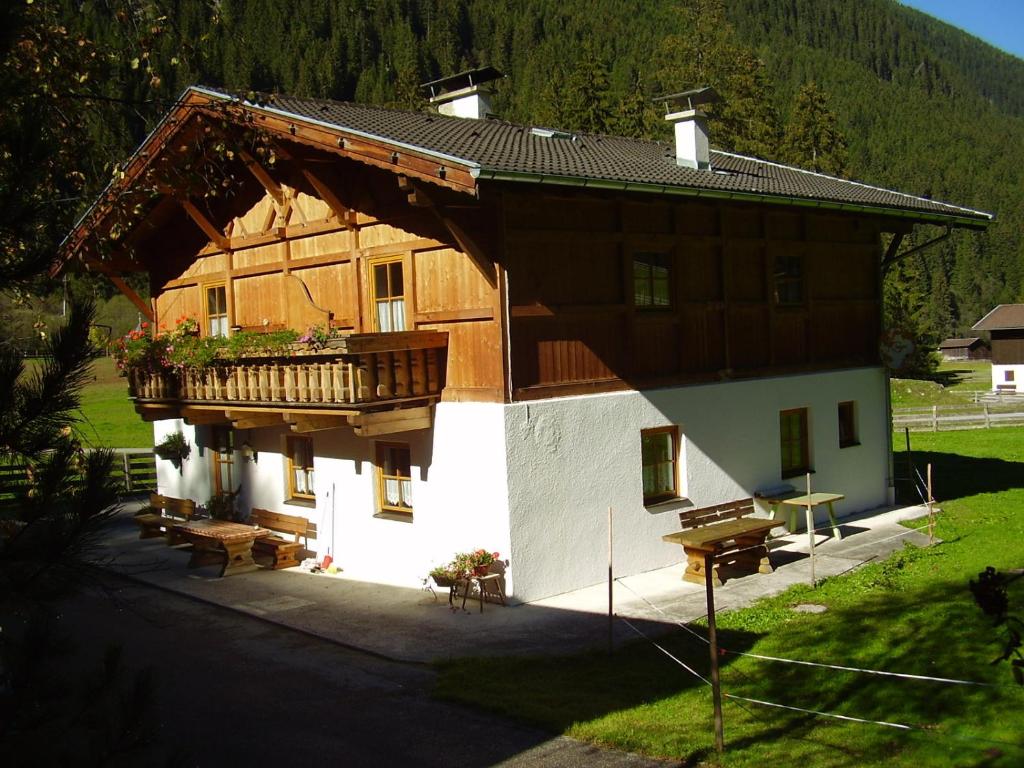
(533, 287)
(576, 326)
(1008, 346)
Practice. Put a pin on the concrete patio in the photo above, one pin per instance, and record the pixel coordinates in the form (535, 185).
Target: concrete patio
(417, 625)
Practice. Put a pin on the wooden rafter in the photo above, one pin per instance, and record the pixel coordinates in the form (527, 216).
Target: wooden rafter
(389, 422)
(144, 306)
(303, 424)
(254, 419)
(203, 415)
(325, 193)
(263, 177)
(216, 236)
(419, 198)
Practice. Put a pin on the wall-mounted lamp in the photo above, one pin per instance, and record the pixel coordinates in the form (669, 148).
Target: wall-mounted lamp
(249, 453)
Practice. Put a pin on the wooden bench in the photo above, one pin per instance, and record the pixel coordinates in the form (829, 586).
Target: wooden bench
(162, 514)
(284, 551)
(728, 533)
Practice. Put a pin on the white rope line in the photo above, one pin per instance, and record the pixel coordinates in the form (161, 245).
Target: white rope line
(800, 534)
(903, 675)
(887, 724)
(667, 653)
(878, 672)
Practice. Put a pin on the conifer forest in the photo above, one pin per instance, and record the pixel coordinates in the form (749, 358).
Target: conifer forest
(869, 90)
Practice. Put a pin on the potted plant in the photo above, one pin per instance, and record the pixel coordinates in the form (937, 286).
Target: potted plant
(173, 448)
(446, 575)
(221, 506)
(477, 563)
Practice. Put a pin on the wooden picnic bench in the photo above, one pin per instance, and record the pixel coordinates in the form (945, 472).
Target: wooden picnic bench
(728, 533)
(284, 551)
(162, 514)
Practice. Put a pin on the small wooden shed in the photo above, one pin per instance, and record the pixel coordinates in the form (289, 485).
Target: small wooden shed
(964, 349)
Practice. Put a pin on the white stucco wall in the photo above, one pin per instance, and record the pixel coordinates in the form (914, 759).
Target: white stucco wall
(534, 481)
(460, 497)
(999, 376)
(570, 459)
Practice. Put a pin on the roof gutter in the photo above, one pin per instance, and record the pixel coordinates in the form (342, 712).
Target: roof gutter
(716, 194)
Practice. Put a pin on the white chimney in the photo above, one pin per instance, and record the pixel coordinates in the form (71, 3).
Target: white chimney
(474, 102)
(691, 126)
(466, 94)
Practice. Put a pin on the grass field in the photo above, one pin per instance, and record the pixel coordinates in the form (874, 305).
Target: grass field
(911, 614)
(956, 381)
(107, 415)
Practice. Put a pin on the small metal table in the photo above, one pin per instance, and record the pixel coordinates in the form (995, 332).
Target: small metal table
(814, 500)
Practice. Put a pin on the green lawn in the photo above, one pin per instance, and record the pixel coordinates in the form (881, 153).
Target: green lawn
(954, 385)
(108, 418)
(912, 614)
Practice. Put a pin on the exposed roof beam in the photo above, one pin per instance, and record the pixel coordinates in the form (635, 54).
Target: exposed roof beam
(144, 306)
(418, 197)
(303, 424)
(263, 177)
(325, 193)
(216, 236)
(254, 419)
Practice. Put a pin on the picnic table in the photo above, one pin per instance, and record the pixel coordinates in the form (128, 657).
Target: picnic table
(221, 542)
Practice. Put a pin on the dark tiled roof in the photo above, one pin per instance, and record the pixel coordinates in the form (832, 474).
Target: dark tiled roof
(1002, 317)
(958, 343)
(495, 148)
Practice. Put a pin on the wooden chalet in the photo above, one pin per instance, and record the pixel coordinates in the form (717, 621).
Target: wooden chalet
(1005, 325)
(465, 262)
(964, 349)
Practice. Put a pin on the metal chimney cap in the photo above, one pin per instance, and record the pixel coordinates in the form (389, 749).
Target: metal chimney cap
(690, 99)
(462, 80)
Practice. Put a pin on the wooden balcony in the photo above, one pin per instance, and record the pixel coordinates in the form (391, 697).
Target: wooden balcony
(356, 381)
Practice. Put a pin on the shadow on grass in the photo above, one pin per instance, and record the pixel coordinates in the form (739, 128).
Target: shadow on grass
(897, 629)
(556, 692)
(641, 700)
(956, 476)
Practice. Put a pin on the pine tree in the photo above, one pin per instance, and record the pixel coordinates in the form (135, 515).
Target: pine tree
(583, 99)
(705, 51)
(812, 138)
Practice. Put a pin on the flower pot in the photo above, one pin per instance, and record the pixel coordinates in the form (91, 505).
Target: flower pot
(481, 570)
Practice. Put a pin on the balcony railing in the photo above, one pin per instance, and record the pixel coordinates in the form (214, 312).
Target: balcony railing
(351, 373)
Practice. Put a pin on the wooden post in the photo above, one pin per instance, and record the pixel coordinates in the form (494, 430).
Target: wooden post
(716, 686)
(931, 509)
(988, 422)
(910, 459)
(611, 615)
(127, 471)
(810, 527)
(935, 418)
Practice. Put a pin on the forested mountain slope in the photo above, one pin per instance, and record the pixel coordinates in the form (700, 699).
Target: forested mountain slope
(923, 107)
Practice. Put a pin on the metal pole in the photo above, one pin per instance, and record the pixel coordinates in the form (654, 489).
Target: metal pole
(611, 625)
(810, 526)
(716, 686)
(931, 511)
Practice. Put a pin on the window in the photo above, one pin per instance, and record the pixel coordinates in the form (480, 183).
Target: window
(222, 441)
(216, 311)
(394, 479)
(299, 454)
(1008, 376)
(659, 455)
(651, 280)
(388, 285)
(793, 434)
(789, 280)
(847, 424)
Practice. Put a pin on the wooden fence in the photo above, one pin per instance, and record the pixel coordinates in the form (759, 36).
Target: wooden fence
(134, 469)
(935, 418)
